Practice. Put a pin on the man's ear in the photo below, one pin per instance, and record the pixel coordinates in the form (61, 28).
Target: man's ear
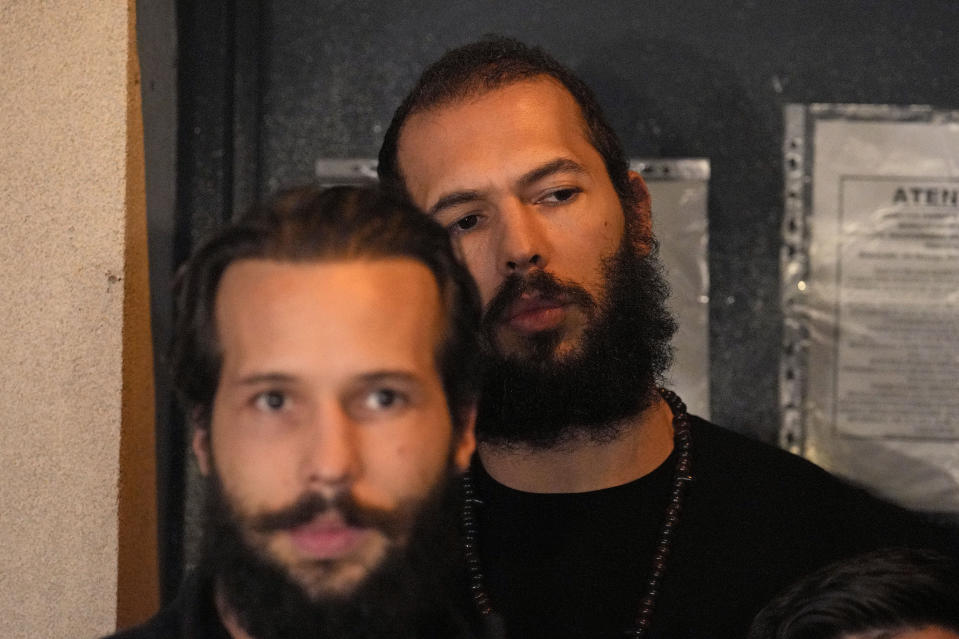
(201, 448)
(642, 220)
(467, 439)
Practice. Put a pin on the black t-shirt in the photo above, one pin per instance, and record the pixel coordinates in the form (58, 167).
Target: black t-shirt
(754, 520)
(192, 615)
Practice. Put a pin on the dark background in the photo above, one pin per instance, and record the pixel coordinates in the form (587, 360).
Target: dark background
(242, 97)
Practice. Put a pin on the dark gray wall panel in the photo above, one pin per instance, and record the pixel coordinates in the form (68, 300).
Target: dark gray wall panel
(698, 78)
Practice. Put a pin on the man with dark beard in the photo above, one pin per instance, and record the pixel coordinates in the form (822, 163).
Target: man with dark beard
(326, 349)
(596, 507)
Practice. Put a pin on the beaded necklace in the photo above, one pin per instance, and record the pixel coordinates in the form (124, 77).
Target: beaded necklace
(681, 477)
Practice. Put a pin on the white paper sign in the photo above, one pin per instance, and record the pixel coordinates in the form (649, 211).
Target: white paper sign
(871, 297)
(898, 312)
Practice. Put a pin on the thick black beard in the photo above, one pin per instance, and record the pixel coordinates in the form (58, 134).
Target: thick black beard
(419, 590)
(541, 401)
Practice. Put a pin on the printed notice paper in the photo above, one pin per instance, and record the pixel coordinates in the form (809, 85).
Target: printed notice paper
(870, 381)
(897, 324)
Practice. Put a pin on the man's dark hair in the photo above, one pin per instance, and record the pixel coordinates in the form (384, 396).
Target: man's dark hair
(882, 593)
(492, 63)
(308, 224)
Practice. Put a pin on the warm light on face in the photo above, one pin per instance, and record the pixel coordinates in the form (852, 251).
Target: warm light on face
(329, 387)
(513, 177)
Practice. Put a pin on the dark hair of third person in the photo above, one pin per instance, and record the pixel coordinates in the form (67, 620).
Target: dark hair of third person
(880, 594)
(486, 65)
(310, 224)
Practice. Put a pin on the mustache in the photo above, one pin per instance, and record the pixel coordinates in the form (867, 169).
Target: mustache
(354, 514)
(545, 284)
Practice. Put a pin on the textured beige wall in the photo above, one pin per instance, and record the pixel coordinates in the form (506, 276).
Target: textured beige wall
(63, 97)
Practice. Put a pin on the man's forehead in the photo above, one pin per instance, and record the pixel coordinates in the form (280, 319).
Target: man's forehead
(328, 269)
(511, 129)
(329, 286)
(540, 88)
(330, 319)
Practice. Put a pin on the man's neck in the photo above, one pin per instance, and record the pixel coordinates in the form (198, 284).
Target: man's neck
(581, 465)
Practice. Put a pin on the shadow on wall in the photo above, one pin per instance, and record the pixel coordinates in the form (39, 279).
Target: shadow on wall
(709, 114)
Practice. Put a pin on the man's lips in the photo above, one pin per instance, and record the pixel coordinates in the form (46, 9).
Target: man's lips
(327, 536)
(535, 314)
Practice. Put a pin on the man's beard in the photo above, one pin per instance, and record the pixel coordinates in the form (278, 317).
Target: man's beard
(418, 590)
(540, 400)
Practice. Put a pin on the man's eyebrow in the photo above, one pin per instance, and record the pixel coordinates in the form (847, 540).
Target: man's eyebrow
(254, 379)
(372, 376)
(559, 165)
(388, 375)
(453, 199)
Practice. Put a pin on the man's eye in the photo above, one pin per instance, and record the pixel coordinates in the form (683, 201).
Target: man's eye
(384, 399)
(270, 401)
(560, 195)
(464, 223)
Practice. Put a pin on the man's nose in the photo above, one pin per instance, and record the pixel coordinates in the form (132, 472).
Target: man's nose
(523, 241)
(330, 455)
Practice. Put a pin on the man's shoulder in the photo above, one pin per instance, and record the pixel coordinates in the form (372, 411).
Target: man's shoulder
(720, 449)
(165, 624)
(735, 464)
(190, 615)
(775, 491)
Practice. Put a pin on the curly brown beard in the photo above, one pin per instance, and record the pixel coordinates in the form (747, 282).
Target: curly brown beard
(540, 400)
(418, 590)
